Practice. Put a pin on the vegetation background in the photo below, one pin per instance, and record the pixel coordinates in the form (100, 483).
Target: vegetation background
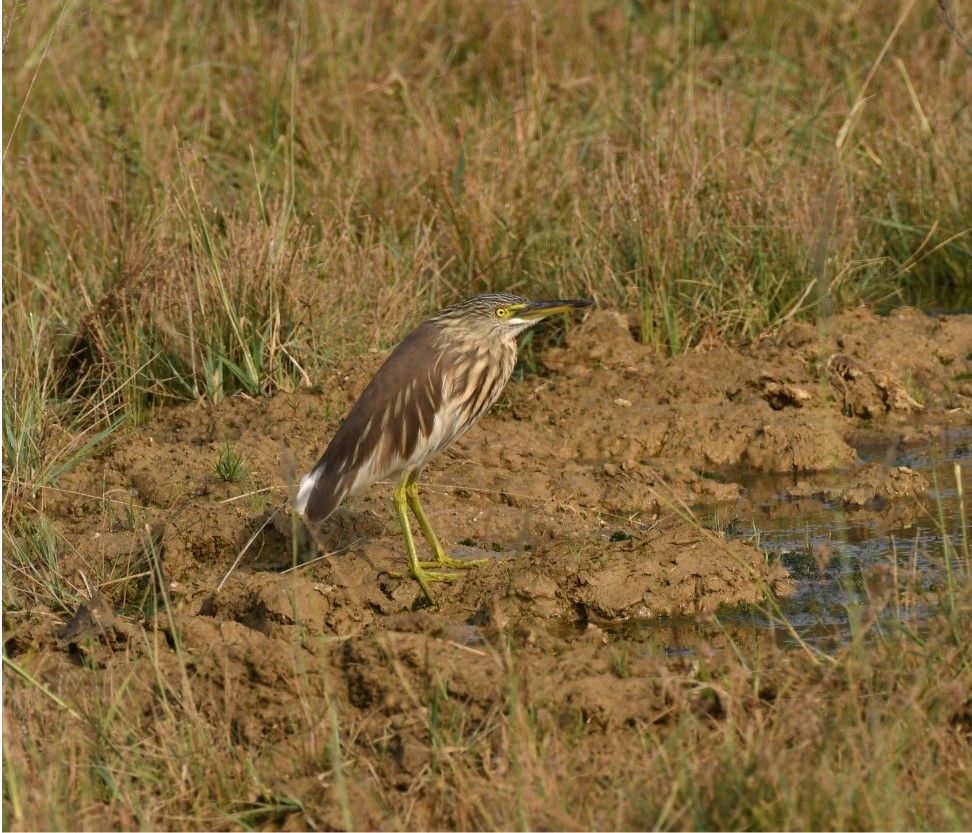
(208, 198)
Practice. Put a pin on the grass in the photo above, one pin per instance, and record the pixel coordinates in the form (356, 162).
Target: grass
(184, 215)
(223, 199)
(231, 465)
(715, 168)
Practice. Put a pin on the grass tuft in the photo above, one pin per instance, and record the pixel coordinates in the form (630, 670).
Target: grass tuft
(231, 465)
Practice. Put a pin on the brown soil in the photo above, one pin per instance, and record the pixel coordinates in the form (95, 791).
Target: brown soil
(576, 492)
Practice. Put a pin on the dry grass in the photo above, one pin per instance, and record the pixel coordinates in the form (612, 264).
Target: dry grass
(189, 196)
(204, 199)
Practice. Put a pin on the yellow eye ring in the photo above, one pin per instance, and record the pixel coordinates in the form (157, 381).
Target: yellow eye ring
(502, 312)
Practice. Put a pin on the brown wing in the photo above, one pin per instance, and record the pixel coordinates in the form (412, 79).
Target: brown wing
(394, 413)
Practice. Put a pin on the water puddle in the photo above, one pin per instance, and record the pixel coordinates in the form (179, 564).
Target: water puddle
(880, 564)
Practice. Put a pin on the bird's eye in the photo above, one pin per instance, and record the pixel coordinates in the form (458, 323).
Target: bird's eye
(502, 312)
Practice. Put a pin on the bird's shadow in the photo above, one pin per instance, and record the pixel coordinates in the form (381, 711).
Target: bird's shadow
(283, 541)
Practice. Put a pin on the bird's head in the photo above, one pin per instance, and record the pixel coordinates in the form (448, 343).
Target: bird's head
(503, 315)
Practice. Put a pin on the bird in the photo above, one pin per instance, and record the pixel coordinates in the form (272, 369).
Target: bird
(433, 387)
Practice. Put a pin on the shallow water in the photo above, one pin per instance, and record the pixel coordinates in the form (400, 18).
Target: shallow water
(880, 566)
(850, 563)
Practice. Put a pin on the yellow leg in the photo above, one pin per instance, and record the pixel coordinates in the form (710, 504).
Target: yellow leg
(416, 567)
(441, 559)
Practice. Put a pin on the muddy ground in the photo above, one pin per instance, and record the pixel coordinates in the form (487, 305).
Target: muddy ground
(577, 491)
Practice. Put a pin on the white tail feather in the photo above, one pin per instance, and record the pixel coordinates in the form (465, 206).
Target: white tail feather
(307, 484)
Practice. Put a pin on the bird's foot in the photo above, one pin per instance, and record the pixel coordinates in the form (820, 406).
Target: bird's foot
(424, 576)
(453, 563)
(426, 571)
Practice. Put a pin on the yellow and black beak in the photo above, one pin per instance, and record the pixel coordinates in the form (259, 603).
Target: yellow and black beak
(542, 309)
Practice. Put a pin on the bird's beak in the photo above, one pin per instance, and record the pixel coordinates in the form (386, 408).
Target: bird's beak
(541, 309)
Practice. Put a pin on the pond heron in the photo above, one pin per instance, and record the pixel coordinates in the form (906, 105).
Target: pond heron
(436, 385)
